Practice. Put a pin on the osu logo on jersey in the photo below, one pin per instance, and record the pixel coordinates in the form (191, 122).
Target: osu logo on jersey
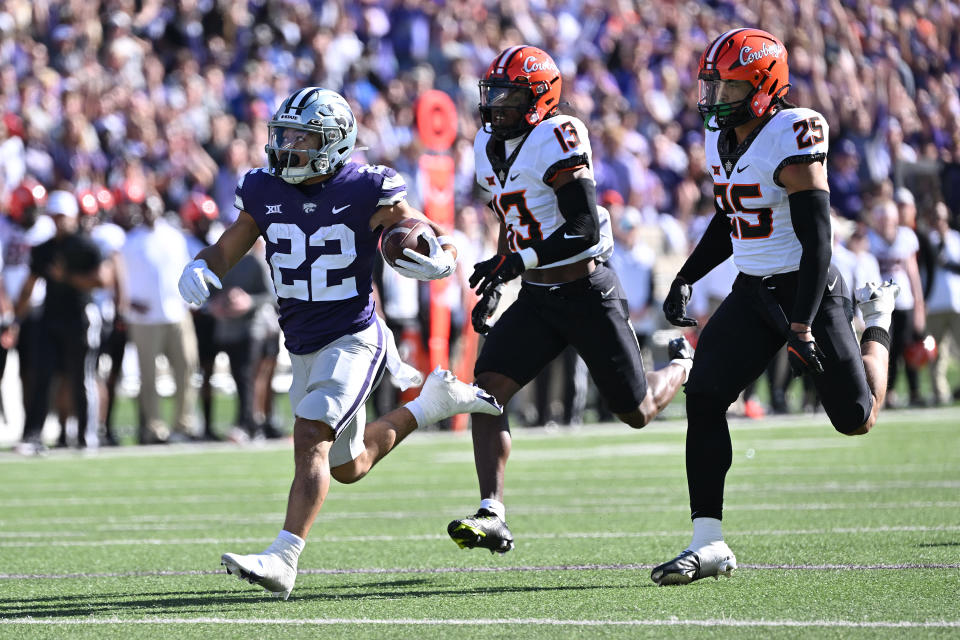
(520, 88)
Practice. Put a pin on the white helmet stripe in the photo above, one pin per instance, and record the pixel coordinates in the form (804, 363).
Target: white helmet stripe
(715, 49)
(501, 64)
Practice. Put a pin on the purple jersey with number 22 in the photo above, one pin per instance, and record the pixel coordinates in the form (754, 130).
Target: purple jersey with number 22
(320, 247)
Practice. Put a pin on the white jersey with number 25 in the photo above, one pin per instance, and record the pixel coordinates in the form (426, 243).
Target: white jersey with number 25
(750, 193)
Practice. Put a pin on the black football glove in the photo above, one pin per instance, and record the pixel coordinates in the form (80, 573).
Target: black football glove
(675, 304)
(495, 271)
(484, 309)
(804, 356)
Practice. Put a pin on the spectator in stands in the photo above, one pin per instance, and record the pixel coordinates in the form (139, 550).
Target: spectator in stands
(239, 307)
(72, 266)
(198, 216)
(895, 247)
(943, 304)
(23, 228)
(158, 322)
(844, 181)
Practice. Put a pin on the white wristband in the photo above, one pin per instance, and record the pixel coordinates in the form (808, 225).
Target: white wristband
(530, 258)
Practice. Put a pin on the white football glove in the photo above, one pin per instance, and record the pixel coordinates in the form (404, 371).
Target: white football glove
(439, 264)
(193, 282)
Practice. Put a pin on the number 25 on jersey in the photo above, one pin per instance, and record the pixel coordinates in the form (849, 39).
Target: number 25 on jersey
(745, 223)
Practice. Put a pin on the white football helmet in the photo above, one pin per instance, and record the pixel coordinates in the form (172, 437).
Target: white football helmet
(311, 134)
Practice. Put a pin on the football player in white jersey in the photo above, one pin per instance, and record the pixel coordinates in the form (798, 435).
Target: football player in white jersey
(535, 164)
(768, 162)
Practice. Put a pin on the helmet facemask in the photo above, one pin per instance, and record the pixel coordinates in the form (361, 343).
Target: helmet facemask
(505, 107)
(726, 102)
(312, 140)
(297, 154)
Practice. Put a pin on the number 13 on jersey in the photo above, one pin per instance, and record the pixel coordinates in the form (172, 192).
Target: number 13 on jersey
(523, 228)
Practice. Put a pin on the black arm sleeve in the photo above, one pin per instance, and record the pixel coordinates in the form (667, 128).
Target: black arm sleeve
(577, 201)
(810, 214)
(714, 247)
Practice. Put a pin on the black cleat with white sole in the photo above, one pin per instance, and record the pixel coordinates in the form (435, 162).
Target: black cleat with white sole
(713, 560)
(485, 529)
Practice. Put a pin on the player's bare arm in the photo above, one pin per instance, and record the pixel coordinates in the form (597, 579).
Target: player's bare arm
(213, 262)
(235, 242)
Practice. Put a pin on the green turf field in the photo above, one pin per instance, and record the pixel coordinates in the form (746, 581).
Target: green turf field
(836, 537)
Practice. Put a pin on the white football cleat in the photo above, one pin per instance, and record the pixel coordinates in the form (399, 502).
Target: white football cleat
(443, 396)
(876, 302)
(268, 570)
(714, 559)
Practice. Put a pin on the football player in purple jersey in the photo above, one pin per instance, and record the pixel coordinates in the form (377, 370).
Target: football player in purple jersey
(321, 217)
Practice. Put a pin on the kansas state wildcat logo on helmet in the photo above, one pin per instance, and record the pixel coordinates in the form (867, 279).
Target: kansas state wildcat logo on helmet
(311, 134)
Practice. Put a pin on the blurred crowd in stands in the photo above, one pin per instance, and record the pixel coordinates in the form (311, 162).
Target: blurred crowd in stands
(146, 112)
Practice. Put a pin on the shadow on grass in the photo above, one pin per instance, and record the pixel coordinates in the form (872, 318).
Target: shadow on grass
(178, 603)
(939, 544)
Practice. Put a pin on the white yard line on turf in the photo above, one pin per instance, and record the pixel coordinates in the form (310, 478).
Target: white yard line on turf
(172, 522)
(592, 535)
(501, 622)
(514, 569)
(832, 486)
(183, 481)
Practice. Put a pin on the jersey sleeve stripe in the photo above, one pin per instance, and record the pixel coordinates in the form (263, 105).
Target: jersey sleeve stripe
(238, 202)
(570, 163)
(808, 158)
(392, 182)
(392, 199)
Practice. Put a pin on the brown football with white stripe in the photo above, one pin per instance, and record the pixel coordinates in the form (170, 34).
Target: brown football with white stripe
(409, 233)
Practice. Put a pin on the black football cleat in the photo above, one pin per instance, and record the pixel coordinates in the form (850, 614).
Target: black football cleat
(714, 559)
(485, 529)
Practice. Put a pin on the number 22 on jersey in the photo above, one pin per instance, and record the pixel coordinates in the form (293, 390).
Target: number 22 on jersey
(318, 287)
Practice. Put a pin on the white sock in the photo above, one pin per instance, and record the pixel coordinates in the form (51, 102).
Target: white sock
(414, 407)
(288, 546)
(687, 364)
(495, 507)
(705, 531)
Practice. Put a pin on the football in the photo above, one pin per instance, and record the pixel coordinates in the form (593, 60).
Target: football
(406, 234)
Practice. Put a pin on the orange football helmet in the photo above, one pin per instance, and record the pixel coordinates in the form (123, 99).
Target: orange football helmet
(24, 202)
(743, 74)
(519, 90)
(198, 206)
(921, 352)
